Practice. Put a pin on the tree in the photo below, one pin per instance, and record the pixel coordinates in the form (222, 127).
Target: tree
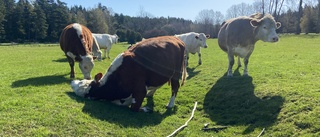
(298, 29)
(97, 21)
(2, 15)
(208, 21)
(40, 23)
(8, 23)
(242, 9)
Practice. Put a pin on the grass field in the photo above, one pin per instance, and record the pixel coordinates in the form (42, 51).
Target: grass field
(282, 95)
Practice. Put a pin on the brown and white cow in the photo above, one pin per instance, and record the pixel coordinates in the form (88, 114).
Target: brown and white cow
(238, 36)
(77, 43)
(145, 66)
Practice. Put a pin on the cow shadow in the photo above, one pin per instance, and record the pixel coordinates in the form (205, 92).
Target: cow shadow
(192, 72)
(41, 81)
(231, 101)
(121, 115)
(61, 60)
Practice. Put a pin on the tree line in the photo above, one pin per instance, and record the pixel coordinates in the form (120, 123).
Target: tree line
(43, 20)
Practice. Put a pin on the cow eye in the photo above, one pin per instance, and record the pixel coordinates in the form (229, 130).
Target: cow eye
(264, 27)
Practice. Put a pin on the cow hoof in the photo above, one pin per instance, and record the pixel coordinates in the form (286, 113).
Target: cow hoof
(199, 63)
(146, 109)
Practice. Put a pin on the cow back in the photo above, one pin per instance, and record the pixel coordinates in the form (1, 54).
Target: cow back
(162, 55)
(80, 44)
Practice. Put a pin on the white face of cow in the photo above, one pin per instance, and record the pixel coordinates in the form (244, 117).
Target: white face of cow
(81, 87)
(201, 38)
(86, 65)
(266, 29)
(115, 38)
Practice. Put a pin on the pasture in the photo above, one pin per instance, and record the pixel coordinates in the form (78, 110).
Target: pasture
(282, 95)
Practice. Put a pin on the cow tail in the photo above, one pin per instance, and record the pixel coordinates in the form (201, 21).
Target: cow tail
(184, 73)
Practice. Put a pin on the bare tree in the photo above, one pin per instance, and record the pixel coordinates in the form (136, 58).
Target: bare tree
(273, 7)
(208, 21)
(142, 13)
(241, 9)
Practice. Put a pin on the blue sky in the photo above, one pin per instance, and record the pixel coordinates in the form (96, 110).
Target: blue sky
(187, 9)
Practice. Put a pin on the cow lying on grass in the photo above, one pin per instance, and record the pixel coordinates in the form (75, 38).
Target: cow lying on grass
(147, 65)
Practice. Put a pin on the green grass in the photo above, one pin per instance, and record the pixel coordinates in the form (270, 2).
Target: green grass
(282, 95)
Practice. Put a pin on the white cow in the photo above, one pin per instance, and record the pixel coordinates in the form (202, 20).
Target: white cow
(105, 42)
(193, 42)
(238, 36)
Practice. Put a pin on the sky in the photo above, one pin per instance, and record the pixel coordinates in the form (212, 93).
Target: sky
(187, 9)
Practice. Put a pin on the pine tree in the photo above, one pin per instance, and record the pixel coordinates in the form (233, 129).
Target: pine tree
(8, 23)
(2, 15)
(40, 23)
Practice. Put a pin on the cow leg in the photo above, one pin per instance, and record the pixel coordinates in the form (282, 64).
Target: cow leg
(231, 62)
(200, 61)
(105, 53)
(186, 58)
(174, 87)
(239, 61)
(71, 63)
(245, 70)
(108, 51)
(151, 91)
(137, 98)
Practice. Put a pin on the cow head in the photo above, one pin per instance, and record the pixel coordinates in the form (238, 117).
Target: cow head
(85, 63)
(114, 38)
(82, 87)
(265, 28)
(201, 38)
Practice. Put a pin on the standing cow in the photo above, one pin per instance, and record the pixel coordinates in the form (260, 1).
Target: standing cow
(193, 42)
(105, 42)
(145, 66)
(238, 36)
(77, 43)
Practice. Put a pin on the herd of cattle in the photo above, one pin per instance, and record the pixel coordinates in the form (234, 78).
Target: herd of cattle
(144, 67)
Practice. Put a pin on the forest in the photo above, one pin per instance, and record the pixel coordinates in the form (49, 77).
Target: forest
(43, 20)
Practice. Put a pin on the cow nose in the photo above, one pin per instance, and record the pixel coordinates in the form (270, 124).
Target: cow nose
(275, 39)
(205, 46)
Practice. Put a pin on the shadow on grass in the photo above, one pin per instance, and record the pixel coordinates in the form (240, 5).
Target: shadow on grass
(231, 101)
(61, 60)
(41, 81)
(191, 72)
(121, 115)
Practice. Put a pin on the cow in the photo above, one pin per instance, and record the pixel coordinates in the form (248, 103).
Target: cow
(77, 43)
(193, 42)
(144, 67)
(105, 42)
(238, 36)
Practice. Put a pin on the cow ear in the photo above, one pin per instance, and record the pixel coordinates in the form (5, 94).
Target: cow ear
(97, 77)
(196, 36)
(74, 57)
(254, 23)
(208, 36)
(278, 24)
(71, 55)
